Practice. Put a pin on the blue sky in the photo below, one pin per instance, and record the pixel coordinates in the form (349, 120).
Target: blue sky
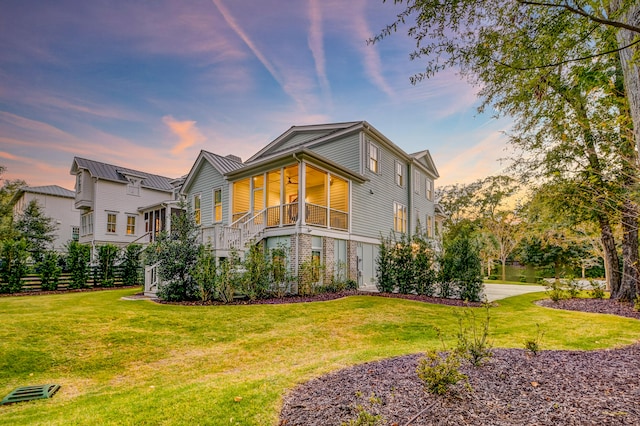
(147, 84)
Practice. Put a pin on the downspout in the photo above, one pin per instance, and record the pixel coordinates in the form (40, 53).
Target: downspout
(298, 221)
(410, 189)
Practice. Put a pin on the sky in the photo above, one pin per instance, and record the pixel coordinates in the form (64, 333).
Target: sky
(147, 84)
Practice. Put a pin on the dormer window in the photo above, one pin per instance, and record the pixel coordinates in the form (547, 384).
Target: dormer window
(79, 183)
(133, 187)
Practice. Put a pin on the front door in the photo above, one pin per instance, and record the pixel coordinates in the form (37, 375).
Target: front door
(367, 254)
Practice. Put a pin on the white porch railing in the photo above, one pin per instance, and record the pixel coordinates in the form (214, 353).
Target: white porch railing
(151, 280)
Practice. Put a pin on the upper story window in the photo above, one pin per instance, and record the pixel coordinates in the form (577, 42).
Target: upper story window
(133, 187)
(79, 182)
(86, 223)
(111, 223)
(217, 205)
(196, 209)
(416, 181)
(399, 217)
(429, 190)
(429, 226)
(373, 156)
(400, 174)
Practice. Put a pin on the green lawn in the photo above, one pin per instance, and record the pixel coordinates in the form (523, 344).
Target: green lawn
(137, 362)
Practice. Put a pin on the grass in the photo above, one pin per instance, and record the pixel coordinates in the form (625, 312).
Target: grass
(137, 362)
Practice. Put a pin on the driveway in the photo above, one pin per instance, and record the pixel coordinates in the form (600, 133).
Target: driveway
(502, 291)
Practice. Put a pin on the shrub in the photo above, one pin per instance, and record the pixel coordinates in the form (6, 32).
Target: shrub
(384, 269)
(107, 255)
(131, 265)
(597, 289)
(365, 418)
(256, 278)
(555, 290)
(403, 267)
(573, 288)
(533, 345)
(473, 335)
(461, 265)
(13, 265)
(205, 275)
(439, 372)
(78, 257)
(229, 278)
(309, 276)
(176, 255)
(492, 277)
(49, 270)
(281, 277)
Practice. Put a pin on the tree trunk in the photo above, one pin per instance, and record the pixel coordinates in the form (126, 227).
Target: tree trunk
(611, 260)
(630, 68)
(630, 273)
(504, 269)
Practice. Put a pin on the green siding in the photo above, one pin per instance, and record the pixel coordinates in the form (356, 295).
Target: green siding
(373, 213)
(206, 180)
(344, 151)
(300, 138)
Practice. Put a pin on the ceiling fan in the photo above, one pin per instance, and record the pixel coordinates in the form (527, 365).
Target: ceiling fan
(290, 182)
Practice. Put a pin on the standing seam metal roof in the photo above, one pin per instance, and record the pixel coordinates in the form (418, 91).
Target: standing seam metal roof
(223, 164)
(56, 190)
(116, 174)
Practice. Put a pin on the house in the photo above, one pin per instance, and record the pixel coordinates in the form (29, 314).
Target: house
(326, 193)
(58, 204)
(121, 206)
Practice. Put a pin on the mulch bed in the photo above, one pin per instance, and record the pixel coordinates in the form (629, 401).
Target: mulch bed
(326, 297)
(513, 387)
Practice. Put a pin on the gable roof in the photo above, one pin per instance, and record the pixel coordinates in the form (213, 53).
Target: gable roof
(118, 174)
(222, 164)
(424, 159)
(303, 136)
(55, 190)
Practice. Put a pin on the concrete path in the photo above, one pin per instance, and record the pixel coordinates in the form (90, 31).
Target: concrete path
(502, 291)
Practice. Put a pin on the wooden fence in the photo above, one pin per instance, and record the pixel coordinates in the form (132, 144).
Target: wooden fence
(32, 282)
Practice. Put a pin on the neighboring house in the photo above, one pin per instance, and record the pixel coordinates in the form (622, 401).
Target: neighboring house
(57, 203)
(120, 205)
(326, 193)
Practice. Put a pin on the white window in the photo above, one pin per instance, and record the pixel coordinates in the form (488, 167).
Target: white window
(217, 205)
(196, 208)
(79, 183)
(400, 174)
(399, 217)
(133, 187)
(131, 225)
(429, 190)
(75, 233)
(111, 223)
(416, 181)
(86, 224)
(374, 157)
(429, 226)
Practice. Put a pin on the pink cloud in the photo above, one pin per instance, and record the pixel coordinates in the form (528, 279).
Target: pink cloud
(186, 131)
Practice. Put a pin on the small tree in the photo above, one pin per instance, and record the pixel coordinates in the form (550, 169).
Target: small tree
(424, 274)
(177, 254)
(49, 270)
(107, 255)
(461, 264)
(13, 265)
(205, 275)
(78, 257)
(384, 270)
(131, 265)
(38, 230)
(256, 279)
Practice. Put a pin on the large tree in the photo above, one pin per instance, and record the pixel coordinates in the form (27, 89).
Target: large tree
(545, 64)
